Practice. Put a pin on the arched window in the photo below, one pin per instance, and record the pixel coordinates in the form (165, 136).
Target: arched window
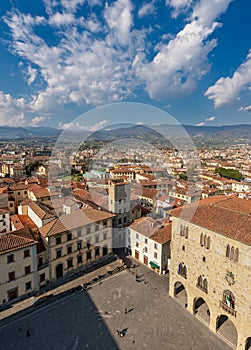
(236, 255)
(228, 251)
(186, 232)
(205, 240)
(232, 253)
(181, 230)
(208, 243)
(201, 239)
(199, 282)
(184, 272)
(205, 284)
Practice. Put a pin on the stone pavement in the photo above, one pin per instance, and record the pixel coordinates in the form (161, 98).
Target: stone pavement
(90, 320)
(27, 303)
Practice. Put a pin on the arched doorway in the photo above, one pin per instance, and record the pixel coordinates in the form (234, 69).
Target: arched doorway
(201, 309)
(226, 329)
(59, 271)
(180, 293)
(248, 344)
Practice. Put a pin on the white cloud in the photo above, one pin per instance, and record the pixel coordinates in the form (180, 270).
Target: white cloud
(146, 9)
(207, 11)
(11, 110)
(179, 6)
(225, 90)
(246, 109)
(183, 61)
(62, 19)
(78, 126)
(104, 59)
(32, 73)
(37, 120)
(119, 19)
(178, 65)
(200, 124)
(210, 119)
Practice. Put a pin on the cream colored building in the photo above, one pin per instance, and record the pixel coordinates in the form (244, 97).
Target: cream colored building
(210, 270)
(76, 239)
(18, 273)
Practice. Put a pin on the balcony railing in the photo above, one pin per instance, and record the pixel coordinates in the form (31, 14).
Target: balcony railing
(228, 309)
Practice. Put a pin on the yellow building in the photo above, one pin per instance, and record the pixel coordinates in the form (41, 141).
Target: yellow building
(76, 239)
(210, 270)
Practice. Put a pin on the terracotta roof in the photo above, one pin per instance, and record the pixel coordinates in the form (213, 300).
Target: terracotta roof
(229, 216)
(18, 187)
(74, 220)
(163, 235)
(146, 226)
(148, 193)
(40, 192)
(13, 241)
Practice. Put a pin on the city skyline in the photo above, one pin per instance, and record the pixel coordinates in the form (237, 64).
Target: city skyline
(60, 59)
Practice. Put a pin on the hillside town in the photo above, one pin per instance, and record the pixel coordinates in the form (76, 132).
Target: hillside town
(57, 218)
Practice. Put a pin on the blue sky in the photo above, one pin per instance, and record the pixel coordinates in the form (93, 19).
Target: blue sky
(61, 58)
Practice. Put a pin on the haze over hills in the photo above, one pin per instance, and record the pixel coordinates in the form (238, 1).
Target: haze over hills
(200, 134)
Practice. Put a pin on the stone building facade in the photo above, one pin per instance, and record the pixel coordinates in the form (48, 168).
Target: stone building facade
(210, 270)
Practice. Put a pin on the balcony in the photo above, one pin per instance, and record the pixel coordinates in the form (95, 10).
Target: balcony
(228, 309)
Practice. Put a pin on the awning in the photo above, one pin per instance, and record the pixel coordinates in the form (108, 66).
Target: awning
(153, 264)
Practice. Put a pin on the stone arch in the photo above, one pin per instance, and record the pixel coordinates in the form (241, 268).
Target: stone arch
(201, 309)
(226, 329)
(180, 293)
(59, 270)
(248, 344)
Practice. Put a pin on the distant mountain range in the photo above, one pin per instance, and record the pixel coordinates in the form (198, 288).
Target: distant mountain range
(200, 134)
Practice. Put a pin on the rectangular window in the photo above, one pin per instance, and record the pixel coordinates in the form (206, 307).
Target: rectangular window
(79, 259)
(137, 236)
(96, 227)
(105, 236)
(137, 244)
(27, 270)
(69, 263)
(26, 253)
(145, 240)
(10, 258)
(69, 236)
(155, 256)
(79, 245)
(96, 239)
(12, 276)
(58, 240)
(96, 251)
(40, 261)
(88, 230)
(145, 249)
(88, 256)
(69, 249)
(105, 223)
(155, 246)
(42, 277)
(27, 285)
(58, 253)
(79, 233)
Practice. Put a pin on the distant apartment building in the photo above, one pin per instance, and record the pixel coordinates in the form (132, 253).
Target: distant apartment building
(211, 264)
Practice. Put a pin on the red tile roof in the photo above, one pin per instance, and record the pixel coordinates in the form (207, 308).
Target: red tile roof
(229, 216)
(14, 240)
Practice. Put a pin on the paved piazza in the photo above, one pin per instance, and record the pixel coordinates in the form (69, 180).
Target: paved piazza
(90, 320)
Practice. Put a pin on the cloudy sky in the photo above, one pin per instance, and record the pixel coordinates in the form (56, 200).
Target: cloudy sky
(61, 58)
